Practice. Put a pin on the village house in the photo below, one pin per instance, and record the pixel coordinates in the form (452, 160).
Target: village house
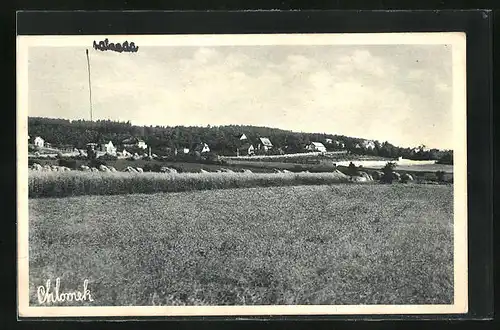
(108, 148)
(338, 144)
(200, 147)
(246, 149)
(123, 154)
(134, 142)
(369, 144)
(264, 144)
(421, 148)
(316, 146)
(242, 137)
(67, 148)
(328, 141)
(425, 149)
(39, 142)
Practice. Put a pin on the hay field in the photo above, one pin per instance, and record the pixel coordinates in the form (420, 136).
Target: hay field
(75, 183)
(338, 244)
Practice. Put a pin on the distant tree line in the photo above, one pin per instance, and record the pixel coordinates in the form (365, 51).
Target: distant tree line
(223, 140)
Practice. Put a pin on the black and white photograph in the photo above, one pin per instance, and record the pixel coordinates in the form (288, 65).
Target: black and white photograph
(270, 174)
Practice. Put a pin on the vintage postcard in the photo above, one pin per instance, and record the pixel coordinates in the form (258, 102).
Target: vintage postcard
(219, 175)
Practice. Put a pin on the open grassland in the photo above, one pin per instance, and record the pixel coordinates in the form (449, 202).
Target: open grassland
(340, 244)
(75, 183)
(305, 158)
(281, 165)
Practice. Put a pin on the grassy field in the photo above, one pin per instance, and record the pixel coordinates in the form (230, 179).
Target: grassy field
(305, 158)
(338, 244)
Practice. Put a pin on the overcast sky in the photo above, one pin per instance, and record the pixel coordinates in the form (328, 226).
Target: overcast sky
(398, 93)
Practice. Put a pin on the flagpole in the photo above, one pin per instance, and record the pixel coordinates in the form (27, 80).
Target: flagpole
(90, 86)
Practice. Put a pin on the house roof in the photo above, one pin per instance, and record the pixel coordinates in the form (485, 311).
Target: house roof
(132, 140)
(265, 141)
(317, 144)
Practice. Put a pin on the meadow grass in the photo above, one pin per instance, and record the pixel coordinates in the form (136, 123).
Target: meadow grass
(339, 244)
(76, 183)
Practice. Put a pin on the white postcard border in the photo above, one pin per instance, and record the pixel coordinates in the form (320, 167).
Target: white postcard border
(456, 40)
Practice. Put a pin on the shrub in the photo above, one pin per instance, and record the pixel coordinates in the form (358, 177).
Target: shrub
(91, 154)
(179, 169)
(71, 163)
(388, 169)
(352, 170)
(152, 168)
(298, 168)
(96, 163)
(440, 176)
(447, 159)
(108, 157)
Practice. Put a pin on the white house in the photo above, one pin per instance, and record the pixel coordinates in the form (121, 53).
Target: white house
(185, 150)
(39, 142)
(246, 150)
(369, 144)
(108, 148)
(421, 148)
(201, 148)
(265, 144)
(243, 137)
(328, 141)
(134, 143)
(316, 146)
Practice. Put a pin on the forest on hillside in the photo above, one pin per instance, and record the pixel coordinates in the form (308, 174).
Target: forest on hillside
(223, 140)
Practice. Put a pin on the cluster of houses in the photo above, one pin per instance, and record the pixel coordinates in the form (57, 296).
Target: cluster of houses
(245, 147)
(99, 149)
(132, 143)
(264, 144)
